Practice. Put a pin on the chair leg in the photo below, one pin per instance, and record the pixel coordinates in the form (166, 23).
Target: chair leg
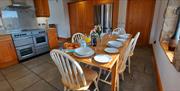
(96, 85)
(65, 88)
(100, 72)
(118, 83)
(129, 64)
(107, 76)
(122, 74)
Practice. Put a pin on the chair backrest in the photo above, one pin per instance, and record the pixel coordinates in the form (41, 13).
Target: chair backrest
(71, 72)
(119, 30)
(128, 50)
(76, 37)
(135, 41)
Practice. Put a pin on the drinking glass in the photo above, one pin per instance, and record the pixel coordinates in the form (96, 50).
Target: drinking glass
(88, 39)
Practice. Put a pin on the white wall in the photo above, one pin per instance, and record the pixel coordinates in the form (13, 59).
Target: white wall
(59, 15)
(170, 78)
(4, 3)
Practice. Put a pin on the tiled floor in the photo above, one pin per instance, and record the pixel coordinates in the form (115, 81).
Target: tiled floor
(40, 74)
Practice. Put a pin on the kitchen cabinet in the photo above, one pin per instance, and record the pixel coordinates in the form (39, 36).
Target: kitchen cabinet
(8, 55)
(52, 38)
(81, 15)
(41, 8)
(139, 18)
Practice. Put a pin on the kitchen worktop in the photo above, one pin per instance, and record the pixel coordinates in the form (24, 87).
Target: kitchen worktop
(16, 31)
(4, 33)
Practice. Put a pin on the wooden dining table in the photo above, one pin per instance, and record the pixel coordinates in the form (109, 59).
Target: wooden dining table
(110, 66)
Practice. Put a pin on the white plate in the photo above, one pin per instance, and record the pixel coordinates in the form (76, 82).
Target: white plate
(124, 36)
(102, 58)
(82, 56)
(114, 44)
(84, 51)
(121, 40)
(111, 50)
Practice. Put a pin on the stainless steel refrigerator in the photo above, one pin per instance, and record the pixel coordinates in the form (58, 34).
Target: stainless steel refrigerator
(103, 16)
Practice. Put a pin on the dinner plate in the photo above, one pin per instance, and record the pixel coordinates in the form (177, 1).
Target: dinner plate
(111, 50)
(102, 58)
(124, 36)
(84, 51)
(82, 56)
(121, 40)
(115, 44)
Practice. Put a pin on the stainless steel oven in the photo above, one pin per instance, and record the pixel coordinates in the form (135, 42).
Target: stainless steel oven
(25, 51)
(24, 44)
(40, 38)
(40, 41)
(30, 43)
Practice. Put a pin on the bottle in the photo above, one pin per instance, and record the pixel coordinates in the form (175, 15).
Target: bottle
(93, 39)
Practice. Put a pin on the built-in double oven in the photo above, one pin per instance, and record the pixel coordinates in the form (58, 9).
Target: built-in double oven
(40, 41)
(30, 43)
(24, 44)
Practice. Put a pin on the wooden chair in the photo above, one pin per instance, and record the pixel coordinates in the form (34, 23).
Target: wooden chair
(73, 76)
(119, 31)
(132, 51)
(122, 66)
(76, 37)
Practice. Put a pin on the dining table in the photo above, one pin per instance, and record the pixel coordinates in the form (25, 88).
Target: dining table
(111, 66)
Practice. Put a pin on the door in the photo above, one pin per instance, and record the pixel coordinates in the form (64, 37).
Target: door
(139, 18)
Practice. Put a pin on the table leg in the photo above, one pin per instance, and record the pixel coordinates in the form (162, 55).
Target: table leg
(114, 77)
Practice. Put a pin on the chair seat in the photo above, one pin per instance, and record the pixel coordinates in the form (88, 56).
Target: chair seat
(90, 76)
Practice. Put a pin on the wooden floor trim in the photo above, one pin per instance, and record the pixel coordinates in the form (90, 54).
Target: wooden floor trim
(158, 79)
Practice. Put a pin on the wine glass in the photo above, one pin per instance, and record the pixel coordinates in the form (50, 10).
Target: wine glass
(109, 34)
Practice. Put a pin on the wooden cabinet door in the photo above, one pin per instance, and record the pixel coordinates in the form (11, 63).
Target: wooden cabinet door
(81, 16)
(139, 19)
(73, 17)
(42, 8)
(7, 52)
(52, 38)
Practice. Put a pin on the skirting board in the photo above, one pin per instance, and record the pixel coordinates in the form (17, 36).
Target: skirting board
(158, 79)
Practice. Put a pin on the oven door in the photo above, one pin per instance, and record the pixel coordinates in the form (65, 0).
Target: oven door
(25, 51)
(40, 39)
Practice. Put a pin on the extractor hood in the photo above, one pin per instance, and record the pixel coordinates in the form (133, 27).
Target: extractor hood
(19, 4)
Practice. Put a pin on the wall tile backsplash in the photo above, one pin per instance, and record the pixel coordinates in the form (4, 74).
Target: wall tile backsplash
(17, 18)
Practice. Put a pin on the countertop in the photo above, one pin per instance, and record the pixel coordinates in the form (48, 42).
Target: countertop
(15, 31)
(4, 33)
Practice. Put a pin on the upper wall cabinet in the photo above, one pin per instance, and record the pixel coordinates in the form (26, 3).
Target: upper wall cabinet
(41, 8)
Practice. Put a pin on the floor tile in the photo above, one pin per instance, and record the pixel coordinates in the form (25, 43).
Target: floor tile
(42, 68)
(24, 82)
(41, 86)
(12, 68)
(57, 84)
(50, 75)
(34, 63)
(16, 73)
(1, 77)
(4, 86)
